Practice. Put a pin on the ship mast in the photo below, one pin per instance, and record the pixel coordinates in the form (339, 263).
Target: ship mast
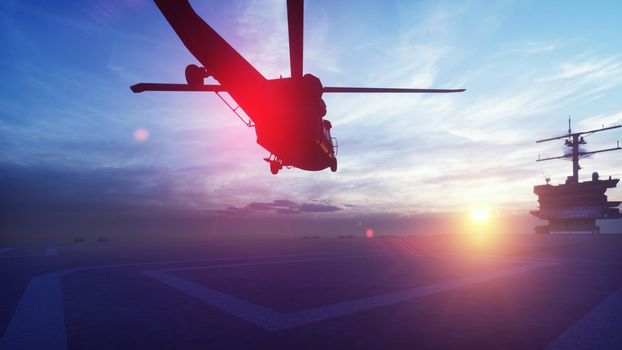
(573, 140)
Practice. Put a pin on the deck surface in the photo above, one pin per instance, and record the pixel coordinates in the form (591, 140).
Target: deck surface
(509, 292)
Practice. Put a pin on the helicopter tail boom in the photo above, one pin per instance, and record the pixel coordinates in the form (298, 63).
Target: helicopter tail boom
(344, 89)
(142, 87)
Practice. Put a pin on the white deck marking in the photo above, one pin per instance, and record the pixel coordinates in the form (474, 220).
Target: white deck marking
(601, 328)
(245, 310)
(38, 321)
(41, 321)
(273, 321)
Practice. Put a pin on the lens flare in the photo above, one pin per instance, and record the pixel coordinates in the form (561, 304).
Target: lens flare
(141, 134)
(369, 233)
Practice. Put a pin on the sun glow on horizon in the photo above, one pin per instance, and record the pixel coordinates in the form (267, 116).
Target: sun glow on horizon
(482, 226)
(480, 215)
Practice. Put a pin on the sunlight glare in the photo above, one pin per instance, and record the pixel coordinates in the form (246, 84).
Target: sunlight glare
(480, 215)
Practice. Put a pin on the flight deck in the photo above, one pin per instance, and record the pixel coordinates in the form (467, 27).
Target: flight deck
(510, 292)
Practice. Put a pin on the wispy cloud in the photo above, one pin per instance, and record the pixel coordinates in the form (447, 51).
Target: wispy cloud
(263, 27)
(601, 120)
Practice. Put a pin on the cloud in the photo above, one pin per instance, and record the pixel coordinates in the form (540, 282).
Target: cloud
(55, 190)
(280, 206)
(262, 25)
(318, 208)
(63, 191)
(533, 48)
(601, 120)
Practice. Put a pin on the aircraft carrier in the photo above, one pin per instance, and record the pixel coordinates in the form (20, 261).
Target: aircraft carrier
(521, 291)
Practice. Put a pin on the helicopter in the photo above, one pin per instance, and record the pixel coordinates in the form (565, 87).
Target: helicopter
(287, 113)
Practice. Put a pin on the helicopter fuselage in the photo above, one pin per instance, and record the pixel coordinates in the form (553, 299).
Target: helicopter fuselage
(287, 113)
(289, 123)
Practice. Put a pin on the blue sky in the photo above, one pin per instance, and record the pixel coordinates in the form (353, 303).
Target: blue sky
(67, 116)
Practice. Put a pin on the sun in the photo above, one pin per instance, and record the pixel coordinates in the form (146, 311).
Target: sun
(480, 215)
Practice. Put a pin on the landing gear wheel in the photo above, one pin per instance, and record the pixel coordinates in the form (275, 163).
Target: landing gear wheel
(275, 167)
(333, 165)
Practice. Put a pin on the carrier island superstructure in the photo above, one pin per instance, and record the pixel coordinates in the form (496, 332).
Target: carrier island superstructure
(574, 207)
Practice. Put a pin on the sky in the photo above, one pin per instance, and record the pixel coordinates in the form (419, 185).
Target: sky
(75, 140)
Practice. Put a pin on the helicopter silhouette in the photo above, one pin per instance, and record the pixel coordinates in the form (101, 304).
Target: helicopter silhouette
(287, 113)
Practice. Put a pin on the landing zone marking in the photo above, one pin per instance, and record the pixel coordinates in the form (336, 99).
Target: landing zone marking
(601, 328)
(271, 320)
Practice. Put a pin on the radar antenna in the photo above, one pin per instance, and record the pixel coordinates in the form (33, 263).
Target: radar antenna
(573, 140)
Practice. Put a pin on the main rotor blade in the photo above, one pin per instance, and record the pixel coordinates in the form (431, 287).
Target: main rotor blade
(338, 89)
(295, 24)
(141, 87)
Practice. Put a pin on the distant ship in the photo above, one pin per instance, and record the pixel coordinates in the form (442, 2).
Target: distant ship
(574, 207)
